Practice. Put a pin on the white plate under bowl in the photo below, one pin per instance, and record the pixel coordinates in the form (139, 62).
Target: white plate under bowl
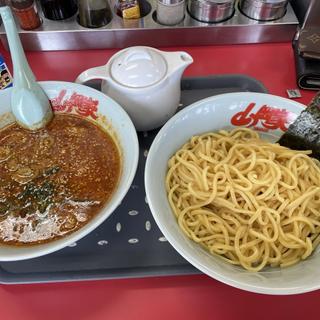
(268, 114)
(97, 107)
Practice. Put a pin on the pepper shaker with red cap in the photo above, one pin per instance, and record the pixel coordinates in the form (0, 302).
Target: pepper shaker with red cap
(27, 13)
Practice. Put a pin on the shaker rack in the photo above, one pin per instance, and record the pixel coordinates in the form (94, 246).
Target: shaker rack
(119, 33)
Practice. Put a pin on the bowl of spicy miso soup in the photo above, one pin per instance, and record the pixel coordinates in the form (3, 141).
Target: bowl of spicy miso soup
(59, 183)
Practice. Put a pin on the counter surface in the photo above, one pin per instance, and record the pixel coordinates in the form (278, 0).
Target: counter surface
(179, 297)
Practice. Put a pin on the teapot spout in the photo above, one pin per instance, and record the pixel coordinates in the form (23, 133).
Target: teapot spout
(177, 62)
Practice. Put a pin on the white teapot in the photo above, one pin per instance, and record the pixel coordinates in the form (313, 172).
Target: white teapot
(144, 81)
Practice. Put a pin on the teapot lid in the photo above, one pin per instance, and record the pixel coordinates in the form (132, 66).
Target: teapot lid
(138, 67)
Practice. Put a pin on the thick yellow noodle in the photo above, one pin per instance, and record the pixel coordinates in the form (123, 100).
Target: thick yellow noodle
(252, 202)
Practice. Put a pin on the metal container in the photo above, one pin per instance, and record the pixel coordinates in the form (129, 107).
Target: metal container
(170, 12)
(211, 10)
(264, 10)
(94, 13)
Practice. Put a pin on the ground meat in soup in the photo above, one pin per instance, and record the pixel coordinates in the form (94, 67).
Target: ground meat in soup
(53, 181)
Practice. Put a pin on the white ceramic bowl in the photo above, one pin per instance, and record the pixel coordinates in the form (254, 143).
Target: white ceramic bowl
(93, 104)
(212, 114)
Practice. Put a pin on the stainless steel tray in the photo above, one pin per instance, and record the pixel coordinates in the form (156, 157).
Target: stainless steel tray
(119, 33)
(129, 243)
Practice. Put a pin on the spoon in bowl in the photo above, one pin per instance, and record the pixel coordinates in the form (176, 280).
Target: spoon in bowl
(29, 103)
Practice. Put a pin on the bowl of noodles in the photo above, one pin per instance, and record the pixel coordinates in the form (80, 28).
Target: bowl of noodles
(233, 202)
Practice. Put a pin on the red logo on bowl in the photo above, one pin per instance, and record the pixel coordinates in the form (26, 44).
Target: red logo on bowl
(77, 103)
(264, 119)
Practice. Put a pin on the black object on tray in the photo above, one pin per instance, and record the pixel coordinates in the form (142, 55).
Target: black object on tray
(129, 243)
(304, 132)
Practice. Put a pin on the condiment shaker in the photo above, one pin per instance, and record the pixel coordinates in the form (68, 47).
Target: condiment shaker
(58, 9)
(94, 13)
(170, 12)
(263, 10)
(27, 13)
(211, 10)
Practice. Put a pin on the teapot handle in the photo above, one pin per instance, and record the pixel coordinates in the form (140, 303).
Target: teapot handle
(93, 73)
